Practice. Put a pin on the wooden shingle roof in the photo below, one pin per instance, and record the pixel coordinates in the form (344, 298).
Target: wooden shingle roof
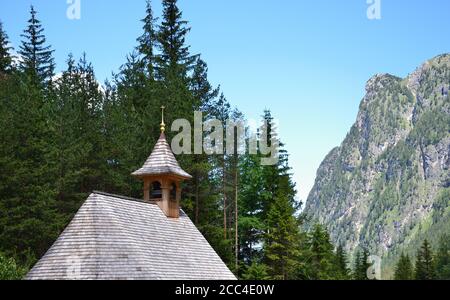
(114, 237)
(161, 161)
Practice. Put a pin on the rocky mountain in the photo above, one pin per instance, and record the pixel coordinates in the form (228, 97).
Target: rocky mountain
(387, 186)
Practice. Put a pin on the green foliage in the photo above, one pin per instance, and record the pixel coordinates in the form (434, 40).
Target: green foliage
(9, 270)
(425, 269)
(432, 127)
(5, 52)
(361, 265)
(281, 239)
(256, 271)
(36, 57)
(175, 58)
(28, 216)
(147, 42)
(343, 271)
(404, 268)
(442, 258)
(323, 260)
(63, 138)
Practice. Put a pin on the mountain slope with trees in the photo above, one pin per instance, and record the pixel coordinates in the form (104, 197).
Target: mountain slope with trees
(387, 186)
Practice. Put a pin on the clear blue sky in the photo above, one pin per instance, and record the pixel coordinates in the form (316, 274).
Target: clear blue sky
(307, 61)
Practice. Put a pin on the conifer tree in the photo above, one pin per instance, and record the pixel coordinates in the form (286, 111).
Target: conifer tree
(356, 265)
(404, 268)
(36, 57)
(281, 238)
(279, 207)
(5, 49)
(28, 215)
(256, 271)
(147, 41)
(425, 269)
(202, 90)
(251, 224)
(361, 265)
(322, 257)
(78, 117)
(175, 61)
(341, 263)
(443, 258)
(203, 94)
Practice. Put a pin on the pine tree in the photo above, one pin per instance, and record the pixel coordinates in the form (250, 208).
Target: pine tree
(147, 41)
(5, 49)
(443, 258)
(404, 268)
(425, 269)
(36, 57)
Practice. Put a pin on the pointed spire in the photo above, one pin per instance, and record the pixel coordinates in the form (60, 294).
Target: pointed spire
(161, 160)
(163, 126)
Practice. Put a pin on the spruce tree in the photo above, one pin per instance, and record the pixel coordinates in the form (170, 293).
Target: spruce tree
(251, 224)
(256, 271)
(202, 90)
(425, 269)
(281, 239)
(341, 263)
(78, 116)
(175, 60)
(279, 206)
(36, 56)
(147, 41)
(28, 215)
(361, 265)
(5, 49)
(357, 266)
(322, 257)
(404, 268)
(443, 258)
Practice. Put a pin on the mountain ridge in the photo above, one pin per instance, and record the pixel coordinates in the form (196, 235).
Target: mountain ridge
(387, 185)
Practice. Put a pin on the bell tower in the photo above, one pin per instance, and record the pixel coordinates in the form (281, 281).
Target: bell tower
(162, 176)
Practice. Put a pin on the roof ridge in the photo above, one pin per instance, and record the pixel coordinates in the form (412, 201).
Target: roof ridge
(123, 197)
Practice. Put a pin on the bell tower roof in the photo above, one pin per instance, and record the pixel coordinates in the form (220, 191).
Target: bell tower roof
(161, 161)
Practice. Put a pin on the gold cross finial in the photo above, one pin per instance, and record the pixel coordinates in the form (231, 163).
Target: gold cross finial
(163, 126)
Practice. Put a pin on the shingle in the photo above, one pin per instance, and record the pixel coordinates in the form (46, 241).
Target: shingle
(113, 237)
(161, 161)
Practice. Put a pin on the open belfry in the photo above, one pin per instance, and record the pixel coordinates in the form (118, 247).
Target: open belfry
(162, 176)
(117, 237)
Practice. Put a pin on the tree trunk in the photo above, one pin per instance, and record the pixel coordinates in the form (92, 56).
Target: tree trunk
(236, 223)
(197, 201)
(224, 201)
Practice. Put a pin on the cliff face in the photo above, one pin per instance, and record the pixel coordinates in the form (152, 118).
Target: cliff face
(388, 185)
